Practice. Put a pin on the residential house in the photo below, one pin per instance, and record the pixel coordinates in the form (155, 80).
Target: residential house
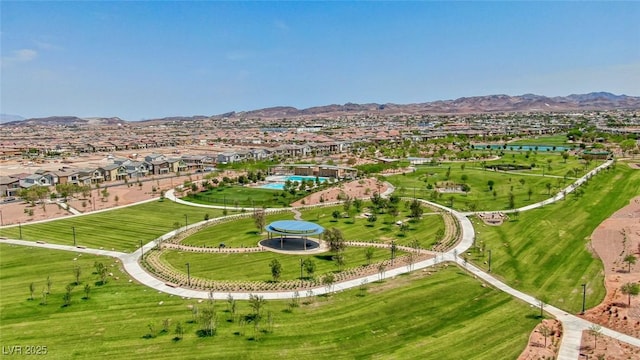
(37, 180)
(9, 186)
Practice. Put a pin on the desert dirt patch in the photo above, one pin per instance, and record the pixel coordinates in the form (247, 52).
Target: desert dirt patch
(613, 240)
(541, 346)
(606, 347)
(493, 219)
(354, 189)
(13, 213)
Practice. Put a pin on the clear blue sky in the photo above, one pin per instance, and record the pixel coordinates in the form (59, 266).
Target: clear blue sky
(149, 59)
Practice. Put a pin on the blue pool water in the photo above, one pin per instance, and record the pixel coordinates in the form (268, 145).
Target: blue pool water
(273, 186)
(279, 185)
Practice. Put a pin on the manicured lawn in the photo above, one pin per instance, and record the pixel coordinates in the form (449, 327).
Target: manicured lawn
(120, 229)
(255, 266)
(447, 315)
(481, 196)
(245, 196)
(384, 229)
(236, 233)
(545, 251)
(549, 140)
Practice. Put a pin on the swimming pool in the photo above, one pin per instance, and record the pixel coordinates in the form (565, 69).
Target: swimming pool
(277, 182)
(273, 186)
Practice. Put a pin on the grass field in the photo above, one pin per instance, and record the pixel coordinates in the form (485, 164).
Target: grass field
(447, 315)
(236, 233)
(481, 196)
(384, 229)
(255, 266)
(245, 196)
(120, 229)
(545, 251)
(549, 140)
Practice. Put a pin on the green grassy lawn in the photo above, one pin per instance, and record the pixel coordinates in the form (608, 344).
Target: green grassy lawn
(447, 315)
(245, 196)
(545, 251)
(549, 140)
(236, 233)
(255, 266)
(120, 229)
(384, 229)
(481, 197)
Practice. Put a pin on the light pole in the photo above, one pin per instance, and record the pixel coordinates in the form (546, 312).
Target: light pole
(186, 221)
(584, 296)
(141, 249)
(73, 228)
(20, 229)
(188, 275)
(489, 259)
(1, 221)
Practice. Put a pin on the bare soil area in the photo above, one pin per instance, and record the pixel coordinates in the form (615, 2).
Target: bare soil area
(604, 347)
(614, 240)
(18, 212)
(541, 346)
(353, 189)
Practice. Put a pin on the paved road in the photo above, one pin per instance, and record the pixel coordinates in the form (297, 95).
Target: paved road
(572, 325)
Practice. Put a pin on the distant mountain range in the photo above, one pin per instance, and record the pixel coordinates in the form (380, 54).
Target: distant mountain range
(465, 105)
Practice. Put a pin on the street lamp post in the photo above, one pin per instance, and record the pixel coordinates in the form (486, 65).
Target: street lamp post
(20, 229)
(188, 275)
(584, 296)
(141, 249)
(186, 221)
(489, 259)
(73, 228)
(1, 221)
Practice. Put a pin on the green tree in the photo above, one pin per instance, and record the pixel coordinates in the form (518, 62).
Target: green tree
(548, 186)
(529, 192)
(76, 273)
(368, 254)
(179, 331)
(259, 219)
(309, 267)
(630, 260)
(416, 209)
(512, 201)
(595, 330)
(87, 290)
(630, 289)
(328, 280)
(357, 204)
(276, 269)
(256, 302)
(335, 214)
(66, 298)
(340, 260)
(490, 183)
(335, 239)
(546, 332)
